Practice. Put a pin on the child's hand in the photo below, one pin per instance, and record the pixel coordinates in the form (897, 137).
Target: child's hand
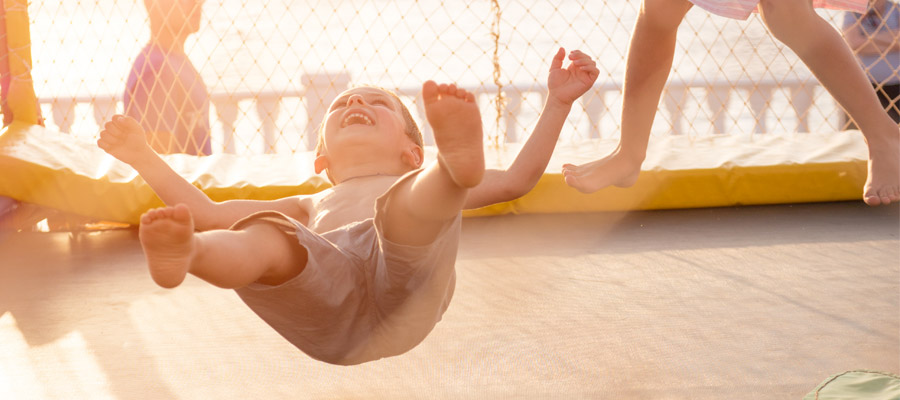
(123, 138)
(568, 84)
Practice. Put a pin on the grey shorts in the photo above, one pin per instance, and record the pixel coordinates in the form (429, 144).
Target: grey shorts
(360, 297)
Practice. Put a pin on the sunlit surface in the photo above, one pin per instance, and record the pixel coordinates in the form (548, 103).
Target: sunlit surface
(735, 303)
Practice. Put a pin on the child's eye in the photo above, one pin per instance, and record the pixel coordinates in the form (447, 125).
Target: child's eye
(382, 102)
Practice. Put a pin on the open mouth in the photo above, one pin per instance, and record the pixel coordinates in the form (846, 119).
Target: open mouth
(356, 118)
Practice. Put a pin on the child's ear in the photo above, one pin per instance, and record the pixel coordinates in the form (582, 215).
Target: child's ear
(321, 163)
(414, 156)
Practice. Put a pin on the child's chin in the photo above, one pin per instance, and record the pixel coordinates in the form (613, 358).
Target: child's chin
(358, 127)
(361, 140)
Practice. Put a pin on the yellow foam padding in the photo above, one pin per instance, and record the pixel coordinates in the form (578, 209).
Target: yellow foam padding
(717, 171)
(53, 169)
(21, 98)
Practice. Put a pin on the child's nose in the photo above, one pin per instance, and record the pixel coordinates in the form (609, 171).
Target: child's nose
(355, 99)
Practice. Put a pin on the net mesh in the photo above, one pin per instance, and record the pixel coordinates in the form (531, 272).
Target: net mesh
(270, 68)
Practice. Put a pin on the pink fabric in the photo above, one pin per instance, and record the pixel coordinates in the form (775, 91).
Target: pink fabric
(741, 9)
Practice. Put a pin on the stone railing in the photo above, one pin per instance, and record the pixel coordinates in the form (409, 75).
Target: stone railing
(320, 90)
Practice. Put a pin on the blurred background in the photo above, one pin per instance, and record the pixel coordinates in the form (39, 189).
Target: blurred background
(269, 66)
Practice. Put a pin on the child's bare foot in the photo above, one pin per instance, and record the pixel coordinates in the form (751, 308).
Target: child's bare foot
(456, 121)
(616, 169)
(883, 182)
(167, 235)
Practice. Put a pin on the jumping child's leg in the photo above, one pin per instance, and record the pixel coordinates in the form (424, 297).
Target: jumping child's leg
(420, 206)
(650, 56)
(228, 259)
(824, 51)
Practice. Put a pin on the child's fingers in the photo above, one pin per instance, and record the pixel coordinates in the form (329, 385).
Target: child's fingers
(580, 58)
(110, 140)
(587, 66)
(128, 123)
(116, 121)
(578, 55)
(104, 144)
(591, 70)
(105, 135)
(558, 59)
(109, 125)
(112, 131)
(581, 62)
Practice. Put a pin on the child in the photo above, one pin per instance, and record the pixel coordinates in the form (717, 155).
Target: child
(164, 90)
(363, 270)
(795, 23)
(875, 39)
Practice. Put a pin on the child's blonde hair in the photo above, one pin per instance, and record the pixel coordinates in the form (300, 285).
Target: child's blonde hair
(412, 129)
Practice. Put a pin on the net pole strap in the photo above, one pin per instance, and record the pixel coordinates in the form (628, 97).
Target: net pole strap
(20, 97)
(4, 69)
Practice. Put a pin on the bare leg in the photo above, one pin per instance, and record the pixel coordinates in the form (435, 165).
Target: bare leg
(455, 118)
(422, 205)
(829, 58)
(228, 259)
(650, 56)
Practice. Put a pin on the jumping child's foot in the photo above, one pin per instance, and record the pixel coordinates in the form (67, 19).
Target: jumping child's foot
(167, 235)
(883, 182)
(615, 169)
(456, 121)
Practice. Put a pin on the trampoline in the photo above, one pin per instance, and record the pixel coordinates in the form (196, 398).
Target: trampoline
(735, 268)
(738, 302)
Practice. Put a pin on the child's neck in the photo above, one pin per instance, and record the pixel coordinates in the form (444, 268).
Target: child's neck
(362, 177)
(358, 171)
(173, 43)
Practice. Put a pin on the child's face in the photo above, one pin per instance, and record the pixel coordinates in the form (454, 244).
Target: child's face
(365, 118)
(179, 16)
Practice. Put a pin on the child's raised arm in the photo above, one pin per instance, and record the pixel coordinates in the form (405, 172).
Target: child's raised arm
(564, 86)
(123, 138)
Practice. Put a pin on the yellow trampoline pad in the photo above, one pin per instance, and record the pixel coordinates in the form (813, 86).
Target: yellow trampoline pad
(57, 170)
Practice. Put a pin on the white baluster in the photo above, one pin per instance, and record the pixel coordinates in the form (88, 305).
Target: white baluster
(673, 100)
(226, 112)
(267, 108)
(760, 96)
(594, 103)
(801, 100)
(63, 114)
(717, 99)
(104, 108)
(321, 89)
(511, 112)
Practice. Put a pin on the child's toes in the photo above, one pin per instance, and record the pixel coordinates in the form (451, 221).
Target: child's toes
(430, 91)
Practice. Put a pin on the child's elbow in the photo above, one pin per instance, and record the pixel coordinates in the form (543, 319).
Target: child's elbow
(515, 188)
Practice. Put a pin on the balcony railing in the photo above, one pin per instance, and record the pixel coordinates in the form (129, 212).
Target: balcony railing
(712, 97)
